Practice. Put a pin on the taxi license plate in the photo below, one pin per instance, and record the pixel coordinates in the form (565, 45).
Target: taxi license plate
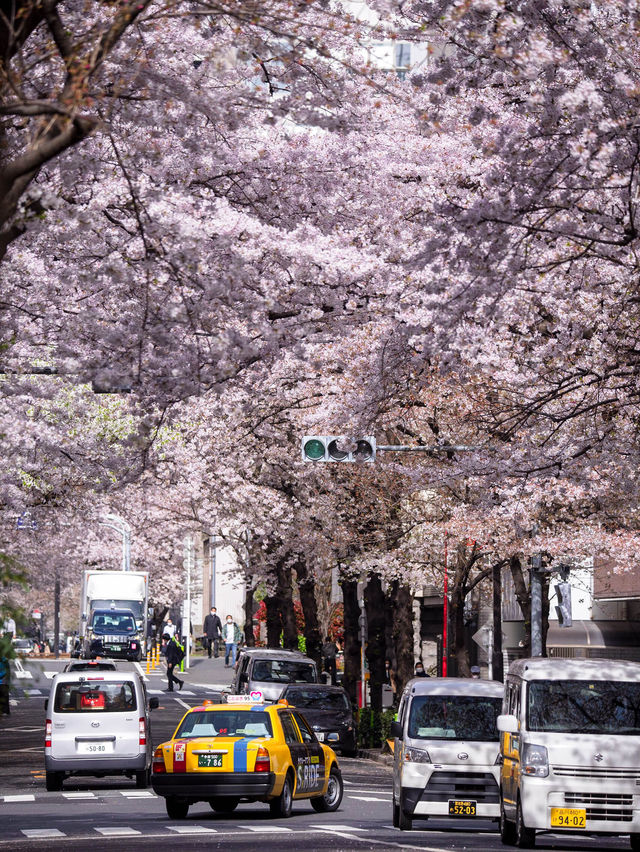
(95, 748)
(568, 817)
(461, 808)
(210, 760)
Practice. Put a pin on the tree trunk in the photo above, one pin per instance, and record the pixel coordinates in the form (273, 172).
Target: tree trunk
(312, 635)
(249, 638)
(287, 612)
(274, 622)
(351, 644)
(402, 604)
(457, 594)
(376, 651)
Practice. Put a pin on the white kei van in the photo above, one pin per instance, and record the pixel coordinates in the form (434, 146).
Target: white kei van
(570, 747)
(97, 724)
(446, 750)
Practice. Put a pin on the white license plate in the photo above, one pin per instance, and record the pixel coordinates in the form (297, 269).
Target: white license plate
(95, 748)
(320, 736)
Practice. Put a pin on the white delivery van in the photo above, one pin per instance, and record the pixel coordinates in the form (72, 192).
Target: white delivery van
(97, 724)
(570, 749)
(446, 750)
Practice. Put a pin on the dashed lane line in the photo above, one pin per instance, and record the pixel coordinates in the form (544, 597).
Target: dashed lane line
(36, 833)
(13, 799)
(192, 829)
(269, 829)
(117, 831)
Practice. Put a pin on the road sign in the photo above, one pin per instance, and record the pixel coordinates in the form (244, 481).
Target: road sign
(36, 614)
(484, 637)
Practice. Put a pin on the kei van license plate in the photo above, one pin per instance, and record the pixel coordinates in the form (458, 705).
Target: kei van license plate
(461, 808)
(214, 760)
(568, 818)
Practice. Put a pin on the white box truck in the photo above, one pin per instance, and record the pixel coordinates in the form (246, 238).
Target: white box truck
(114, 590)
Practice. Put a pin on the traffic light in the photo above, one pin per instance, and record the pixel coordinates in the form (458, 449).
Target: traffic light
(563, 607)
(339, 448)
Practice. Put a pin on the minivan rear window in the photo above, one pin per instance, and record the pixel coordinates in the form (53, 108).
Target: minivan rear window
(584, 706)
(454, 717)
(91, 696)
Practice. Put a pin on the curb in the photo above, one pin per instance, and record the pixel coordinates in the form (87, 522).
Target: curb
(376, 755)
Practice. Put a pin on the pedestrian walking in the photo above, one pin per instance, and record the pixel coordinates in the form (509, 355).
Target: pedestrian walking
(390, 678)
(329, 652)
(231, 634)
(174, 654)
(213, 631)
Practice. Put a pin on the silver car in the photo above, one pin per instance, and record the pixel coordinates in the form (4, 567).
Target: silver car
(266, 671)
(97, 724)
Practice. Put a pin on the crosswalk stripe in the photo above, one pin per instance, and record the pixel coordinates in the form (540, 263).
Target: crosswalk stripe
(138, 794)
(117, 831)
(80, 795)
(270, 829)
(192, 829)
(333, 827)
(27, 798)
(42, 832)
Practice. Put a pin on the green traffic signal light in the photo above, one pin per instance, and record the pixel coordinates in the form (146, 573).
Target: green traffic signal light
(314, 449)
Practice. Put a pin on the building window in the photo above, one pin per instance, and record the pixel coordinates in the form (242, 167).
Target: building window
(402, 57)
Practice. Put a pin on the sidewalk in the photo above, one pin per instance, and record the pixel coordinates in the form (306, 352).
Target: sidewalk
(208, 672)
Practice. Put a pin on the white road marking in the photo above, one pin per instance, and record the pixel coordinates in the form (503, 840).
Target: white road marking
(332, 827)
(27, 798)
(186, 692)
(371, 790)
(192, 829)
(269, 829)
(184, 703)
(140, 672)
(82, 794)
(29, 692)
(155, 691)
(117, 831)
(42, 832)
(138, 794)
(367, 799)
(19, 671)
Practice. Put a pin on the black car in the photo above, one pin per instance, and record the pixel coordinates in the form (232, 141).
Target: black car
(328, 711)
(113, 633)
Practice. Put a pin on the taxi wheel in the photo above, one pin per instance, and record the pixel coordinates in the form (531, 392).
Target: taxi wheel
(53, 781)
(176, 808)
(281, 807)
(223, 804)
(332, 798)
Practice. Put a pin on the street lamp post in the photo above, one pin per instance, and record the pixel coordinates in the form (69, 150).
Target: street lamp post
(115, 522)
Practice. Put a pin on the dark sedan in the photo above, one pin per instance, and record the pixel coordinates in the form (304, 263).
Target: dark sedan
(328, 711)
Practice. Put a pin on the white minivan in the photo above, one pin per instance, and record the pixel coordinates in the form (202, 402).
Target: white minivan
(570, 748)
(97, 724)
(446, 750)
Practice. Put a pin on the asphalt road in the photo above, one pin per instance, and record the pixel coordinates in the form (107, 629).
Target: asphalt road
(111, 814)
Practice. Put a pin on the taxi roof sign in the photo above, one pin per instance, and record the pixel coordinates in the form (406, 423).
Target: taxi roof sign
(254, 697)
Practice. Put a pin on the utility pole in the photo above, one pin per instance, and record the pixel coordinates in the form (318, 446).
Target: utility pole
(497, 665)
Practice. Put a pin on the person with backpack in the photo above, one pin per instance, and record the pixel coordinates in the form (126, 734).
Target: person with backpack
(174, 654)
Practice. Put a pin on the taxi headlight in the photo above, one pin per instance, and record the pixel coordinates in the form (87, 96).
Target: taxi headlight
(416, 755)
(535, 760)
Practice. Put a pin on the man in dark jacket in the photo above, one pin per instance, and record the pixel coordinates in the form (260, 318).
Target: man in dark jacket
(174, 654)
(213, 631)
(329, 652)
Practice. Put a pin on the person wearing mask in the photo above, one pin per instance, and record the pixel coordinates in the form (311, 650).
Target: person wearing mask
(475, 672)
(212, 630)
(231, 635)
(169, 628)
(174, 654)
(419, 670)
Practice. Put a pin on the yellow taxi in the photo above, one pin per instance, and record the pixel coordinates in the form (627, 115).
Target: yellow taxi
(245, 750)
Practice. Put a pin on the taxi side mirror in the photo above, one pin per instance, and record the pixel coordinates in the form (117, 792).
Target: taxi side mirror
(507, 724)
(154, 703)
(396, 730)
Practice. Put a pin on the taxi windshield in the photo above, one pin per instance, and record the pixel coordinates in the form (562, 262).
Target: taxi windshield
(224, 723)
(283, 671)
(457, 717)
(582, 706)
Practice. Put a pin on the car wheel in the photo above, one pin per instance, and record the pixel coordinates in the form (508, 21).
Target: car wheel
(525, 837)
(53, 781)
(176, 808)
(282, 806)
(223, 804)
(405, 823)
(634, 839)
(332, 798)
(507, 828)
(396, 814)
(142, 779)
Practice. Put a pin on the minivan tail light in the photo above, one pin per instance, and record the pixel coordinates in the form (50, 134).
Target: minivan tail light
(263, 762)
(47, 734)
(157, 764)
(142, 729)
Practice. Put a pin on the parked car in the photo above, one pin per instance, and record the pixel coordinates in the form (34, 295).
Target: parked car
(24, 647)
(266, 671)
(446, 750)
(328, 711)
(97, 724)
(245, 751)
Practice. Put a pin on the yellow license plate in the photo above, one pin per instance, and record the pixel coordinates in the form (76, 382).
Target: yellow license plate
(568, 818)
(462, 808)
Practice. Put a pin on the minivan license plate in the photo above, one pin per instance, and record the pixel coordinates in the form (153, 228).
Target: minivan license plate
(210, 760)
(94, 748)
(461, 808)
(568, 818)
